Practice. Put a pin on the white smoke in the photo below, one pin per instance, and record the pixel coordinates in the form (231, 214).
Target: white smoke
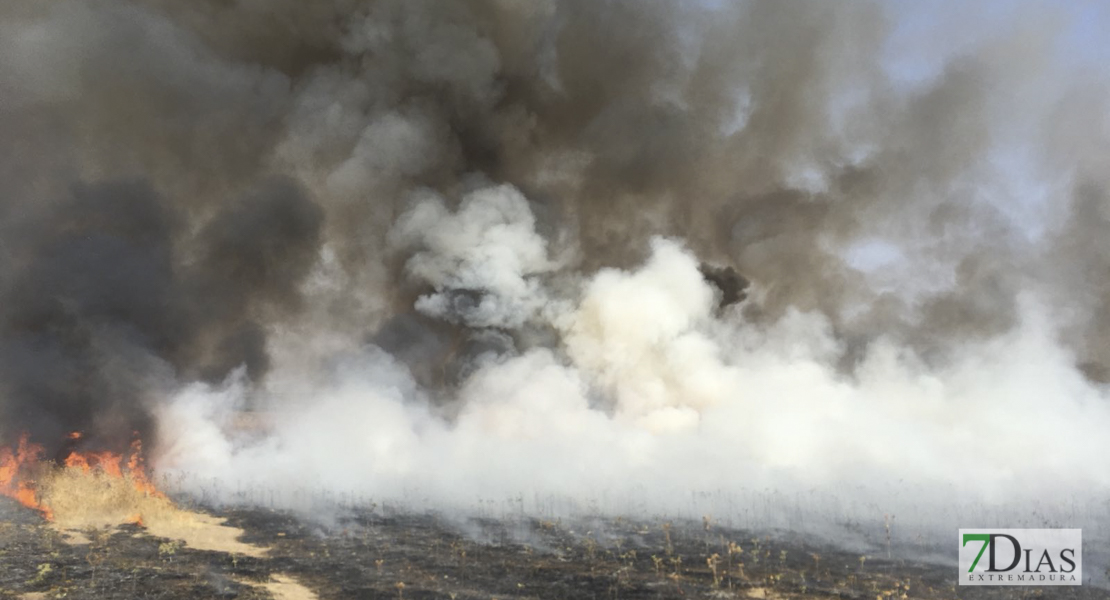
(653, 394)
(489, 247)
(641, 338)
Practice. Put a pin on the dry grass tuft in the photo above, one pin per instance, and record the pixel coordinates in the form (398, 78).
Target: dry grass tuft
(83, 500)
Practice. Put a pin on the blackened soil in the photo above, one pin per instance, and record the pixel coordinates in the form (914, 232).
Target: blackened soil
(383, 554)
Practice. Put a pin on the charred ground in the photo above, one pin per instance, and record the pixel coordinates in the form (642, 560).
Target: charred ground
(376, 552)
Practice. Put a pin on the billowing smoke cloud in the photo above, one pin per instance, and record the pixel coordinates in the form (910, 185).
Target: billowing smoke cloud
(481, 262)
(490, 247)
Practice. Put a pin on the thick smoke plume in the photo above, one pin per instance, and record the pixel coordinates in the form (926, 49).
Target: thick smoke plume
(622, 249)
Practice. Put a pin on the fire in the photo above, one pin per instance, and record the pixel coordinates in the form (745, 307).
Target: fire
(87, 461)
(19, 468)
(17, 474)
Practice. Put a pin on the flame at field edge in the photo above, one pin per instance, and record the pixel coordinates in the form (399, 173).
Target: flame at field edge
(22, 467)
(17, 478)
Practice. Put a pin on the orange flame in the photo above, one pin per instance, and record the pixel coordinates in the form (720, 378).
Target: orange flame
(16, 468)
(87, 461)
(15, 474)
(113, 465)
(137, 469)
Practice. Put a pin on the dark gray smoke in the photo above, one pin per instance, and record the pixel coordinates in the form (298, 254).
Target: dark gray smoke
(181, 180)
(110, 298)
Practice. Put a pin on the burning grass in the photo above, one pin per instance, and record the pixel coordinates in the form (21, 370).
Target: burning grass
(97, 490)
(19, 468)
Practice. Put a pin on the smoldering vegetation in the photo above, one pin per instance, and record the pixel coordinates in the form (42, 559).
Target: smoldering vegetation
(574, 246)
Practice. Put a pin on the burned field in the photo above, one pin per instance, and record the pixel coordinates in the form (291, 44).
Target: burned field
(383, 553)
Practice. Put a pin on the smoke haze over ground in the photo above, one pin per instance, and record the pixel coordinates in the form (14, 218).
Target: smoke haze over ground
(456, 250)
